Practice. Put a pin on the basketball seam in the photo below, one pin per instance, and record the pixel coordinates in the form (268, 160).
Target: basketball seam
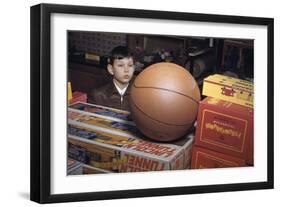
(157, 119)
(169, 91)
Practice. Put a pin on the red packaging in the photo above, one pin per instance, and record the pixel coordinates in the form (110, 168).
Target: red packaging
(204, 158)
(78, 96)
(225, 127)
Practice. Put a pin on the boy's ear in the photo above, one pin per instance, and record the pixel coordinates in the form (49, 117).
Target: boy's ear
(110, 69)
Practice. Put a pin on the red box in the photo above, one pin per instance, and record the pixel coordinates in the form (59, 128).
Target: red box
(78, 96)
(226, 128)
(204, 158)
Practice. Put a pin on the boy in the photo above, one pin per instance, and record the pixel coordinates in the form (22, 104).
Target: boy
(116, 93)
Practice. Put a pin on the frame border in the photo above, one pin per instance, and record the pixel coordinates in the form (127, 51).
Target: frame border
(41, 96)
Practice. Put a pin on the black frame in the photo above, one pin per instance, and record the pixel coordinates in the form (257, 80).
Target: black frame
(41, 96)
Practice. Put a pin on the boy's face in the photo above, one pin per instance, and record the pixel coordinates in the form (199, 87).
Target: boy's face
(122, 70)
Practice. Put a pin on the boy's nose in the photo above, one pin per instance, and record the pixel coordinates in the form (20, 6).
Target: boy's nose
(126, 69)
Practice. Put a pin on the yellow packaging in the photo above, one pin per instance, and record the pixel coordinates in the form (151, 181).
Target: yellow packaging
(229, 89)
(69, 91)
(108, 142)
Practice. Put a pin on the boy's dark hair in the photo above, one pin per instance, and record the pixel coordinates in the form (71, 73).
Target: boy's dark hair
(119, 52)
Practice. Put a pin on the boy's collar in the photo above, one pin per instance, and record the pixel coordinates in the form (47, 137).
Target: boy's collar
(117, 86)
(111, 89)
(119, 90)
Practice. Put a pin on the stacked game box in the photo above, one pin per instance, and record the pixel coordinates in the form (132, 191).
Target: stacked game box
(229, 89)
(78, 97)
(224, 131)
(107, 139)
(74, 167)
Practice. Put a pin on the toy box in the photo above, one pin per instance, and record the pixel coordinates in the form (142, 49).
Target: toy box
(229, 89)
(205, 158)
(74, 167)
(226, 128)
(117, 146)
(101, 111)
(122, 154)
(78, 96)
(93, 170)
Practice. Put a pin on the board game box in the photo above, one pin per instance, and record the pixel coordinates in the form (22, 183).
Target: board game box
(225, 127)
(205, 158)
(229, 89)
(117, 146)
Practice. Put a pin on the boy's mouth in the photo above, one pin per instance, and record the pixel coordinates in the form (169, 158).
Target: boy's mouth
(126, 76)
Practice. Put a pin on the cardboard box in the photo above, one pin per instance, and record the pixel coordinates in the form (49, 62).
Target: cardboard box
(226, 128)
(78, 97)
(101, 111)
(205, 158)
(74, 167)
(97, 122)
(119, 147)
(87, 169)
(229, 89)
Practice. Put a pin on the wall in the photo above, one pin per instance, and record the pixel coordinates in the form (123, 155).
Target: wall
(14, 153)
(96, 42)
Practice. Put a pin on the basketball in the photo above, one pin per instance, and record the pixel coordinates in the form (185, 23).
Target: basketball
(164, 100)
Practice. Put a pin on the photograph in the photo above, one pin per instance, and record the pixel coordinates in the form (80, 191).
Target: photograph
(141, 102)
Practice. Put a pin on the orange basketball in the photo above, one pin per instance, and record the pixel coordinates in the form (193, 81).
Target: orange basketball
(164, 101)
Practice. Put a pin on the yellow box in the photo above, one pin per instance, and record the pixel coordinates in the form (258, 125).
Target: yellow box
(112, 143)
(69, 91)
(229, 89)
